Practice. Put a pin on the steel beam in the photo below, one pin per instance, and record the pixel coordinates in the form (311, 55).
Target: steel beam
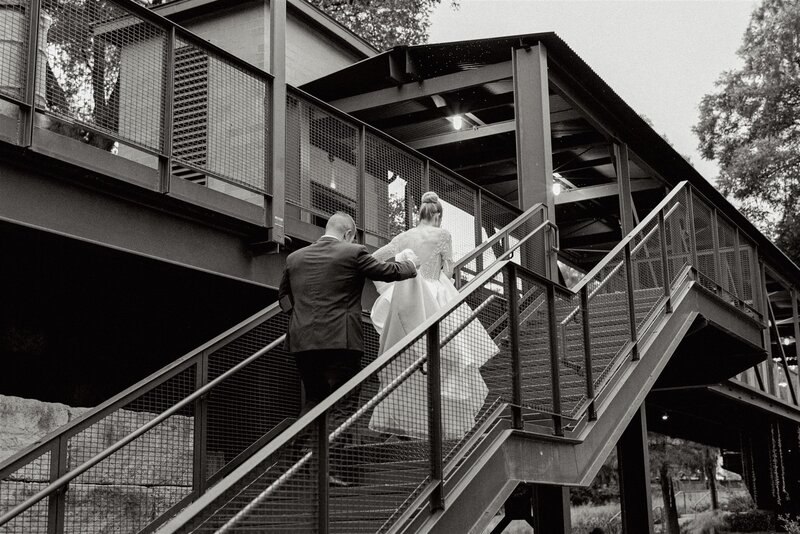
(634, 476)
(624, 181)
(533, 142)
(463, 135)
(551, 509)
(600, 191)
(425, 88)
(277, 60)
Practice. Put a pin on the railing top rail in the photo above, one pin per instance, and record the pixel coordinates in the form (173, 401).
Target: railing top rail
(500, 234)
(631, 235)
(143, 386)
(399, 144)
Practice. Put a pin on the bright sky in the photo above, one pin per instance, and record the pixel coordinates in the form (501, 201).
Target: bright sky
(660, 56)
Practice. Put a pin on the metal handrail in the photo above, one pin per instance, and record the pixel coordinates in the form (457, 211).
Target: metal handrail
(163, 416)
(631, 235)
(325, 405)
(617, 267)
(498, 236)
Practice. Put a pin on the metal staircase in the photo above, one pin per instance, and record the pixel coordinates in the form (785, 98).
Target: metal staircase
(571, 365)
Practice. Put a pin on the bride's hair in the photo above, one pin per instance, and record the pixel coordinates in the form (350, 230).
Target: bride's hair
(430, 206)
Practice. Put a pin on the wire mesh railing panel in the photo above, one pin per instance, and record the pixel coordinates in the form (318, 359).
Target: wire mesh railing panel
(704, 238)
(390, 469)
(647, 272)
(19, 486)
(143, 479)
(321, 160)
(104, 70)
(572, 358)
(468, 346)
(493, 217)
(281, 494)
(14, 50)
(676, 226)
(609, 317)
(534, 342)
(458, 203)
(252, 402)
(221, 119)
(392, 188)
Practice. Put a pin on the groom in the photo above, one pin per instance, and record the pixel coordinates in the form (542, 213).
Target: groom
(321, 292)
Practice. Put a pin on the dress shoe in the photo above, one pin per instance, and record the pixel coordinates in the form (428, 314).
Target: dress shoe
(337, 482)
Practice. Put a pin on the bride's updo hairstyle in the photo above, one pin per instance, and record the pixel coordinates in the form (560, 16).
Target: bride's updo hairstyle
(430, 206)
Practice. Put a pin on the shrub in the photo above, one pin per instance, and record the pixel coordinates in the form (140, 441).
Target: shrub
(752, 521)
(791, 525)
(740, 502)
(587, 517)
(704, 523)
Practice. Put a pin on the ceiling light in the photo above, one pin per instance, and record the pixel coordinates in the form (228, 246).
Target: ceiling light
(458, 122)
(556, 188)
(787, 340)
(664, 417)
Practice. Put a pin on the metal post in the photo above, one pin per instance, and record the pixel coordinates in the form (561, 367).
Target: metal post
(361, 170)
(426, 175)
(435, 418)
(277, 52)
(323, 474)
(631, 301)
(200, 453)
(56, 509)
(624, 181)
(513, 329)
(167, 121)
(29, 112)
(692, 234)
(587, 352)
(664, 267)
(718, 279)
(783, 354)
(555, 372)
(770, 371)
(478, 229)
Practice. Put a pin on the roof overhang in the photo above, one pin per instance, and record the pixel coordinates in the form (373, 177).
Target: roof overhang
(181, 10)
(397, 70)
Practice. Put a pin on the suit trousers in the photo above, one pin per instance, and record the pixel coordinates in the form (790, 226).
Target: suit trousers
(322, 373)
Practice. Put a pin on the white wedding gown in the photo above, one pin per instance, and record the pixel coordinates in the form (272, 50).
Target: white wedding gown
(401, 307)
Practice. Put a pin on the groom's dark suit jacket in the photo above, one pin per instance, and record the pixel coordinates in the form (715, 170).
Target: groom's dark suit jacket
(321, 289)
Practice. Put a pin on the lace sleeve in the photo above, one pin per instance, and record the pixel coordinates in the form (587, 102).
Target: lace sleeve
(386, 252)
(447, 254)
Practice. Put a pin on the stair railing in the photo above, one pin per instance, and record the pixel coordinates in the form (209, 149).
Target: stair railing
(183, 389)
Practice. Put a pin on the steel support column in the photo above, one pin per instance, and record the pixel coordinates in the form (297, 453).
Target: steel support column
(623, 170)
(277, 61)
(552, 511)
(534, 148)
(634, 477)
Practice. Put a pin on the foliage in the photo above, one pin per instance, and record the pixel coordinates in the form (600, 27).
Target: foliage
(704, 523)
(739, 503)
(790, 524)
(751, 124)
(587, 517)
(604, 488)
(384, 23)
(752, 521)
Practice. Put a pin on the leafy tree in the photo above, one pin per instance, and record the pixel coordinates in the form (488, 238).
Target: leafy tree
(384, 23)
(751, 124)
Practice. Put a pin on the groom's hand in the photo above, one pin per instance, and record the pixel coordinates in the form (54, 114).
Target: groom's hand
(409, 255)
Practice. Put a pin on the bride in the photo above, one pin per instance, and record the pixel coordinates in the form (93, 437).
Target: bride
(401, 307)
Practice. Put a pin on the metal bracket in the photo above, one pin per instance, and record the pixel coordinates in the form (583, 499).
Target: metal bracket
(269, 246)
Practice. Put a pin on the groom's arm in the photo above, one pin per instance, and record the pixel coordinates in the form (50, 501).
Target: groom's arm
(383, 271)
(285, 299)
